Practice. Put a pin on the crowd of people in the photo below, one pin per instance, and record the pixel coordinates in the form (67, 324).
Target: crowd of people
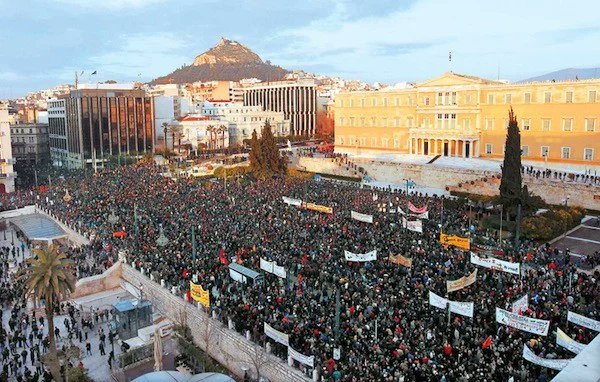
(587, 177)
(386, 330)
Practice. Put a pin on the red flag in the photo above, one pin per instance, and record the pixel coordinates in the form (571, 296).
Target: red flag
(486, 344)
(222, 258)
(185, 273)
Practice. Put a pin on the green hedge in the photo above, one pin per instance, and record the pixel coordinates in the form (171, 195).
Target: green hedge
(231, 172)
(552, 223)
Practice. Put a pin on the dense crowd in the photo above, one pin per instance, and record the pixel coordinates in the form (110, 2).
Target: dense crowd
(387, 330)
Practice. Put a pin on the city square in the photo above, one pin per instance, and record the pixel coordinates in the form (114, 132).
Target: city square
(422, 208)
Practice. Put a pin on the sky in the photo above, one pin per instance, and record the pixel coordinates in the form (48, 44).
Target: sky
(44, 42)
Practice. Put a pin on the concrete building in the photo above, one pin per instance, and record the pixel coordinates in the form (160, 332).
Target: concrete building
(30, 143)
(7, 174)
(99, 121)
(201, 132)
(466, 116)
(166, 110)
(242, 120)
(297, 100)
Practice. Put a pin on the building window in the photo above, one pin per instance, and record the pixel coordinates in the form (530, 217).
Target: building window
(490, 99)
(341, 103)
(546, 124)
(439, 98)
(384, 142)
(569, 97)
(362, 121)
(565, 153)
(526, 124)
(385, 102)
(590, 124)
(396, 143)
(453, 98)
(525, 151)
(373, 142)
(545, 151)
(352, 121)
(426, 101)
(341, 140)
(373, 122)
(396, 101)
(374, 102)
(507, 98)
(592, 96)
(547, 97)
(397, 122)
(489, 124)
(409, 122)
(363, 141)
(341, 121)
(488, 148)
(588, 154)
(527, 97)
(384, 122)
(567, 124)
(362, 102)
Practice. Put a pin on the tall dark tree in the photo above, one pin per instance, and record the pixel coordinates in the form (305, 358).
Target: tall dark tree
(255, 155)
(269, 149)
(511, 186)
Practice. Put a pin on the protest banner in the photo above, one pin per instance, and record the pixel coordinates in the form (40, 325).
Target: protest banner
(462, 308)
(317, 207)
(520, 305)
(556, 364)
(417, 210)
(199, 294)
(292, 201)
(361, 257)
(400, 260)
(306, 360)
(278, 270)
(583, 321)
(527, 324)
(457, 241)
(276, 335)
(462, 282)
(567, 342)
(493, 263)
(424, 215)
(413, 225)
(361, 217)
(266, 265)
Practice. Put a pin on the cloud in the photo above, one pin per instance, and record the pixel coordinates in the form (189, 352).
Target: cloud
(109, 4)
(148, 55)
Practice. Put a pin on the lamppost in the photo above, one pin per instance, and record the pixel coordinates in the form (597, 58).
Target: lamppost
(162, 240)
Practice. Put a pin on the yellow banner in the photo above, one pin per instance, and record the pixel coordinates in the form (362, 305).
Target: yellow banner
(199, 294)
(400, 260)
(462, 282)
(457, 241)
(318, 207)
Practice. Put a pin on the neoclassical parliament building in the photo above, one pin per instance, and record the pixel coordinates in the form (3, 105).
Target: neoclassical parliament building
(465, 116)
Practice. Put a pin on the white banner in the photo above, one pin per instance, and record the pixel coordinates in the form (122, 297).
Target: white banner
(276, 335)
(310, 361)
(527, 324)
(493, 263)
(413, 225)
(556, 364)
(278, 270)
(583, 321)
(424, 215)
(266, 265)
(567, 342)
(361, 217)
(361, 257)
(462, 308)
(292, 201)
(272, 267)
(520, 305)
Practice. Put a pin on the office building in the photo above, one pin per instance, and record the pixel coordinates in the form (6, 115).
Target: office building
(30, 143)
(7, 174)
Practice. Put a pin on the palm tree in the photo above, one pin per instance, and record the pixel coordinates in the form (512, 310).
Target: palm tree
(49, 277)
(210, 129)
(165, 127)
(222, 130)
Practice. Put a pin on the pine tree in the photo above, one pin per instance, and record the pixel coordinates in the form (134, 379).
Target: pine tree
(511, 186)
(255, 155)
(269, 149)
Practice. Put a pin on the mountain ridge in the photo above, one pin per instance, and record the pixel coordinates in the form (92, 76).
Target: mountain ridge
(228, 60)
(566, 75)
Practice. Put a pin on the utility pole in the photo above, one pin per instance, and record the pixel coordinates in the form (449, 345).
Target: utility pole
(193, 244)
(500, 233)
(35, 175)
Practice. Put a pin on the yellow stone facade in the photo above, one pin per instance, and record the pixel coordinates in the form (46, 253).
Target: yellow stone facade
(465, 116)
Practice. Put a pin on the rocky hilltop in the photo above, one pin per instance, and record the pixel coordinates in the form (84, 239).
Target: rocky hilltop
(229, 61)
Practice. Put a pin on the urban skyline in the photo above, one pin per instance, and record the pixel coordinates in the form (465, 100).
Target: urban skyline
(386, 41)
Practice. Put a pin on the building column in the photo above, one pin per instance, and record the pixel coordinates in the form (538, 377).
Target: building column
(471, 149)
(464, 149)
(410, 145)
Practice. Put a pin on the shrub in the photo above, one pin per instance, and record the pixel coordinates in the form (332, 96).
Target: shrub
(231, 172)
(552, 223)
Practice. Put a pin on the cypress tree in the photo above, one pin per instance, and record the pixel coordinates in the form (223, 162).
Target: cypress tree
(511, 187)
(255, 155)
